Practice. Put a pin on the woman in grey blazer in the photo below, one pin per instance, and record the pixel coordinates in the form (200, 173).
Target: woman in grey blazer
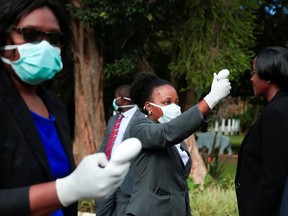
(161, 169)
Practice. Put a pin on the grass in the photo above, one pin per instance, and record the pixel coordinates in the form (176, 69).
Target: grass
(214, 201)
(236, 140)
(218, 198)
(229, 169)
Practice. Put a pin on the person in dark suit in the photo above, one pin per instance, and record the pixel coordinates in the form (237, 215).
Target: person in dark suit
(162, 167)
(262, 161)
(123, 105)
(37, 169)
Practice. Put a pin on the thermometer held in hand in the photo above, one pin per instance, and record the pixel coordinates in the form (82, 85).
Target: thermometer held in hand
(126, 151)
(223, 74)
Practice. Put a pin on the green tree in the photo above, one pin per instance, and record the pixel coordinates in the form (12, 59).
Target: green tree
(191, 39)
(216, 35)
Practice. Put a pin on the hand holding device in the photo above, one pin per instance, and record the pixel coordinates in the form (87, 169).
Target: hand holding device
(95, 177)
(220, 88)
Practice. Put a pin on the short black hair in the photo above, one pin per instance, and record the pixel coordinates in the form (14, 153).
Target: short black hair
(143, 87)
(11, 12)
(124, 90)
(272, 65)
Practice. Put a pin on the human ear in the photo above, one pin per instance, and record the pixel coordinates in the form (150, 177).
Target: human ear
(147, 107)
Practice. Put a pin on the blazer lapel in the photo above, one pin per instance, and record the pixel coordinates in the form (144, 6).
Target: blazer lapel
(22, 115)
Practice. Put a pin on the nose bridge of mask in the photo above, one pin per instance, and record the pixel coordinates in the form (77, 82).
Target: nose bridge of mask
(44, 57)
(166, 108)
(172, 106)
(28, 45)
(170, 112)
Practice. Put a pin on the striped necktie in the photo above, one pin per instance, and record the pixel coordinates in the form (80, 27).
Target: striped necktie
(113, 136)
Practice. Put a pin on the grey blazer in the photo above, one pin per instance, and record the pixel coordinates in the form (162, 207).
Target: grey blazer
(160, 187)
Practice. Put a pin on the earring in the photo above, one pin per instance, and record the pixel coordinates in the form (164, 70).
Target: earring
(268, 81)
(149, 113)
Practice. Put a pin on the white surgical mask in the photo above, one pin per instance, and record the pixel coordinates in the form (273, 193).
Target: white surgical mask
(38, 62)
(170, 112)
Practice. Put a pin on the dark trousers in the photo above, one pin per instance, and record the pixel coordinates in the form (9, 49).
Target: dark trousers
(284, 202)
(114, 205)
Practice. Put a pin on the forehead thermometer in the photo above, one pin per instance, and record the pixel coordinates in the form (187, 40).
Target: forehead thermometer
(223, 74)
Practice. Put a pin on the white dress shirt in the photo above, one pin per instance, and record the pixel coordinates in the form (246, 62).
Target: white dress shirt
(183, 154)
(123, 125)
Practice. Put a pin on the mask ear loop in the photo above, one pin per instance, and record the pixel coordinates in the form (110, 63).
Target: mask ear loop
(125, 106)
(8, 47)
(146, 111)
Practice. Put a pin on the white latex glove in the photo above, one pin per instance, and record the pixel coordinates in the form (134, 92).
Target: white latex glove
(90, 180)
(220, 88)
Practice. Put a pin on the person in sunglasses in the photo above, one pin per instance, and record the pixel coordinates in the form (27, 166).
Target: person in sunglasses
(37, 169)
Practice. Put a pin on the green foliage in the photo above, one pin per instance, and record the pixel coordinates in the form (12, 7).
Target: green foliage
(121, 29)
(216, 35)
(214, 168)
(109, 13)
(200, 37)
(121, 67)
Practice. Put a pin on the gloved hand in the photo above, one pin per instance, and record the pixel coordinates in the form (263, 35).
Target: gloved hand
(219, 89)
(92, 179)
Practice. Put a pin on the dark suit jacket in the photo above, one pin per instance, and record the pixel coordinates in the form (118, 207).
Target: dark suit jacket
(23, 160)
(263, 161)
(127, 185)
(160, 187)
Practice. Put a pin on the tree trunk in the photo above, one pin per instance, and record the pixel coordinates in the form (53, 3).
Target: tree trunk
(198, 170)
(89, 111)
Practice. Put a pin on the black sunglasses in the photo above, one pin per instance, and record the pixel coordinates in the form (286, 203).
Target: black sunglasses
(32, 35)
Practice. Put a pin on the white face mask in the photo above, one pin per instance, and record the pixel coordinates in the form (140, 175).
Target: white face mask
(170, 112)
(116, 107)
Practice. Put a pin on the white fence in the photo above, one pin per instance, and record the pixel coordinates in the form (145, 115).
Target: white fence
(227, 127)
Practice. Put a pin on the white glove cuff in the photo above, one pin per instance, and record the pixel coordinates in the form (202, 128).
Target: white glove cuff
(210, 100)
(64, 192)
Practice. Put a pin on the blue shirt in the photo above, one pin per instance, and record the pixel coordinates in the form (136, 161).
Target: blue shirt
(58, 161)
